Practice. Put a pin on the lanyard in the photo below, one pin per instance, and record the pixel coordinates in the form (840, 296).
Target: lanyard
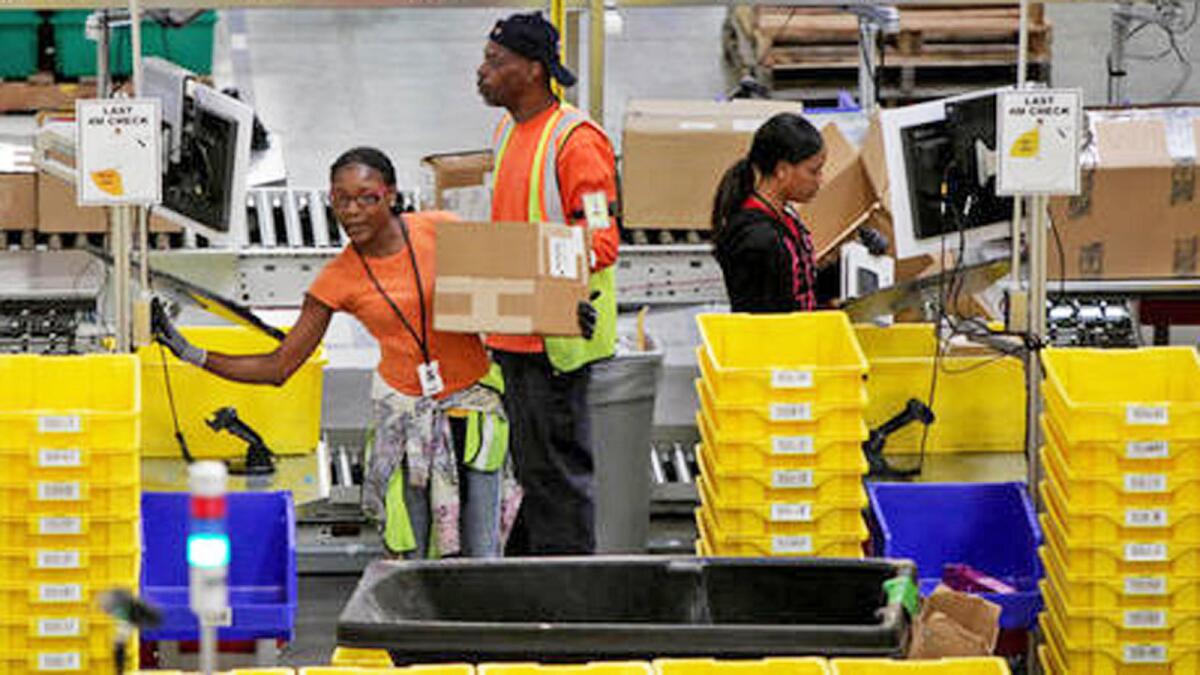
(422, 339)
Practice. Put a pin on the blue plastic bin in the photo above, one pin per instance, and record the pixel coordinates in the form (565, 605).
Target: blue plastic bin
(989, 526)
(262, 566)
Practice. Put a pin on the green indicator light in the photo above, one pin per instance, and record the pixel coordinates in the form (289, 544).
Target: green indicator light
(208, 550)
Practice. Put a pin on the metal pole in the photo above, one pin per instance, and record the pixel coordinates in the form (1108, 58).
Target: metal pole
(572, 38)
(103, 77)
(1116, 57)
(868, 41)
(596, 60)
(119, 226)
(208, 648)
(1018, 203)
(1037, 329)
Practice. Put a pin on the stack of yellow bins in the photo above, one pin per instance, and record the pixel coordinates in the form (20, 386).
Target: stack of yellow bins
(69, 503)
(782, 399)
(1121, 511)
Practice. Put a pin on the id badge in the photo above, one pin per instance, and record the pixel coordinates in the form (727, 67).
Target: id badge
(595, 209)
(430, 375)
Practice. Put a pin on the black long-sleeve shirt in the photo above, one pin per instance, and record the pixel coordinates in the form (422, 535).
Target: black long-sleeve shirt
(768, 266)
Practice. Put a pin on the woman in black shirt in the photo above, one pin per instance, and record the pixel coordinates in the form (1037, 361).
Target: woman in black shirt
(765, 251)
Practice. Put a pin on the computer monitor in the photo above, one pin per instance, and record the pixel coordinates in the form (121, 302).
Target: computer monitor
(207, 138)
(953, 142)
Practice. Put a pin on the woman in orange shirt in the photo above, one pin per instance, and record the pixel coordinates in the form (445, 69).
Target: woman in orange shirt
(429, 488)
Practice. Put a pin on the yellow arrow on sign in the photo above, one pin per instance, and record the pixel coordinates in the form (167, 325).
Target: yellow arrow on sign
(1026, 145)
(109, 180)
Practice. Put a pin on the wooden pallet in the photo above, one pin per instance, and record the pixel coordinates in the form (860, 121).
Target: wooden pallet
(796, 36)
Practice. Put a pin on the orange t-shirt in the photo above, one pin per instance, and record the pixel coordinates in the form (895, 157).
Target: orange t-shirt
(344, 286)
(585, 165)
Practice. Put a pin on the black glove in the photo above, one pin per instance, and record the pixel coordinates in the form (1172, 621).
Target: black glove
(587, 314)
(875, 241)
(167, 335)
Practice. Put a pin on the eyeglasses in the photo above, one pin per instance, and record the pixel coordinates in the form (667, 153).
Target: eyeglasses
(365, 200)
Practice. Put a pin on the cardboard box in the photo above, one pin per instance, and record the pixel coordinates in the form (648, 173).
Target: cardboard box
(58, 212)
(458, 182)
(1138, 216)
(675, 152)
(18, 201)
(954, 624)
(509, 278)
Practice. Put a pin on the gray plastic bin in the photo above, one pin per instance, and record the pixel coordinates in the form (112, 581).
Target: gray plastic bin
(625, 607)
(621, 397)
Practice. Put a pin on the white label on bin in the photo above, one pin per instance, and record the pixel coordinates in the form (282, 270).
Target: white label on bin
(60, 627)
(784, 378)
(792, 544)
(792, 478)
(59, 424)
(791, 412)
(1148, 450)
(1146, 618)
(792, 445)
(58, 560)
(68, 491)
(60, 661)
(60, 593)
(1144, 653)
(1145, 482)
(60, 525)
(1145, 552)
(54, 458)
(1147, 518)
(791, 513)
(1145, 585)
(1147, 415)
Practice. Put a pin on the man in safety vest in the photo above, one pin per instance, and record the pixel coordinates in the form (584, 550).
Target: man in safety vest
(552, 164)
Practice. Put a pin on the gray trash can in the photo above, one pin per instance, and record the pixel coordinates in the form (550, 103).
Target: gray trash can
(621, 398)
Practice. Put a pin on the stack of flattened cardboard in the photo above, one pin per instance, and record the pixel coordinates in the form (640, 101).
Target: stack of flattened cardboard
(1138, 216)
(675, 152)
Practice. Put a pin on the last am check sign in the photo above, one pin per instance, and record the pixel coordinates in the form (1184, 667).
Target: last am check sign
(1039, 133)
(119, 156)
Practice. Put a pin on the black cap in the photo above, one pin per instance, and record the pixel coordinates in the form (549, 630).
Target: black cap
(533, 37)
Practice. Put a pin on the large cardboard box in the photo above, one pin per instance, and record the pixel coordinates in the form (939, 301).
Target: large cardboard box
(509, 278)
(458, 182)
(18, 201)
(1138, 215)
(58, 211)
(675, 152)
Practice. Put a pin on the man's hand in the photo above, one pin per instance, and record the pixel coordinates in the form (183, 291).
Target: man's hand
(167, 335)
(587, 315)
(875, 241)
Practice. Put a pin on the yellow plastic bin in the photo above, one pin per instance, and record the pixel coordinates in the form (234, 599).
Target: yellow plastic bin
(95, 465)
(979, 405)
(771, 518)
(1124, 394)
(73, 658)
(845, 545)
(733, 486)
(1146, 455)
(1099, 525)
(61, 564)
(1131, 658)
(959, 666)
(352, 656)
(1125, 591)
(1124, 491)
(1086, 625)
(1146, 556)
(85, 633)
(812, 356)
(764, 420)
(288, 417)
(389, 669)
(599, 668)
(781, 452)
(770, 666)
(70, 497)
(115, 533)
(91, 401)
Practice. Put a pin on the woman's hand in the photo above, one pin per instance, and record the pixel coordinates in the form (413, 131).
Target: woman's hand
(167, 335)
